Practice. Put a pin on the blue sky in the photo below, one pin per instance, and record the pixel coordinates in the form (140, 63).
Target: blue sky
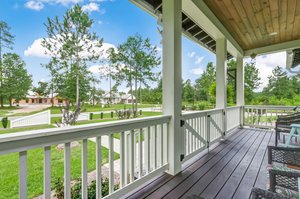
(114, 21)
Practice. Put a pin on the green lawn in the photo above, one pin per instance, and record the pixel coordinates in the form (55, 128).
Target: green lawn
(5, 110)
(9, 165)
(14, 130)
(96, 108)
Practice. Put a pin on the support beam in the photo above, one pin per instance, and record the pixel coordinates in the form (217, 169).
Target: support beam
(172, 79)
(274, 48)
(240, 94)
(240, 87)
(221, 73)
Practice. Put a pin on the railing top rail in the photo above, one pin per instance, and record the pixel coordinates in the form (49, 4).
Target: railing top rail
(200, 113)
(233, 107)
(270, 107)
(14, 142)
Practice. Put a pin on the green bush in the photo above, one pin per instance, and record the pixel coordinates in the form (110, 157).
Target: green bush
(183, 107)
(76, 189)
(91, 116)
(4, 122)
(194, 107)
(59, 188)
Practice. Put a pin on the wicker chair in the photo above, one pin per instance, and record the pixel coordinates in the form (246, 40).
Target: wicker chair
(286, 176)
(258, 193)
(284, 155)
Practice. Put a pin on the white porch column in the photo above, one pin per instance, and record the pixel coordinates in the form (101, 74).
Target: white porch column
(240, 95)
(172, 79)
(221, 73)
(240, 91)
(221, 78)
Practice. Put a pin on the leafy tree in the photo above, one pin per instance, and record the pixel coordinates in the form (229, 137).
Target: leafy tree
(134, 61)
(42, 89)
(188, 92)
(252, 81)
(72, 46)
(279, 85)
(16, 80)
(202, 84)
(6, 41)
(95, 95)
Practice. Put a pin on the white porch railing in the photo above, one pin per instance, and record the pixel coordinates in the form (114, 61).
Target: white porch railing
(264, 116)
(201, 128)
(31, 120)
(233, 117)
(150, 149)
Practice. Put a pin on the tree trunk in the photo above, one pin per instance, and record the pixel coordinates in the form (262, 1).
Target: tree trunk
(136, 95)
(10, 102)
(77, 91)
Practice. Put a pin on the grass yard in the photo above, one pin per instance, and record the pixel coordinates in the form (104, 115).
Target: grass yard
(5, 110)
(9, 165)
(96, 108)
(20, 129)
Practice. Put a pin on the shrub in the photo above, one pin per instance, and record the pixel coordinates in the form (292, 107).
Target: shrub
(91, 116)
(183, 107)
(101, 115)
(76, 189)
(59, 188)
(194, 107)
(112, 114)
(4, 122)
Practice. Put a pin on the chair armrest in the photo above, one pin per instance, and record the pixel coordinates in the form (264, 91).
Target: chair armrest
(258, 193)
(285, 179)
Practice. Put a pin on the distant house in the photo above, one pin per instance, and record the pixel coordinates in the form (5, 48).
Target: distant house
(34, 98)
(117, 98)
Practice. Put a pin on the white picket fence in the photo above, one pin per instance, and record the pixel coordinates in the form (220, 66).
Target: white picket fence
(81, 117)
(32, 120)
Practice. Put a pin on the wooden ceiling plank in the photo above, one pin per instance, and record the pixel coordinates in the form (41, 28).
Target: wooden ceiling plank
(237, 24)
(275, 18)
(268, 21)
(283, 19)
(243, 15)
(291, 19)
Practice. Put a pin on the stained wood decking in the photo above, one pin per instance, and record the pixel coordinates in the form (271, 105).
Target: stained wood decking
(229, 170)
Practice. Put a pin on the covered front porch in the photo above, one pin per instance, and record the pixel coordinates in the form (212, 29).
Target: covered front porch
(205, 153)
(228, 170)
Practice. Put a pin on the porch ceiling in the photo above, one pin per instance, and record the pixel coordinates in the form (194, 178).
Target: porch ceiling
(189, 27)
(258, 23)
(251, 26)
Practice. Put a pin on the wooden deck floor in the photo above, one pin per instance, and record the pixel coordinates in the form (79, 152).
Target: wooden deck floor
(229, 170)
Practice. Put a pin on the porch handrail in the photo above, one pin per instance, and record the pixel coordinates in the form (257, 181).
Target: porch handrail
(143, 152)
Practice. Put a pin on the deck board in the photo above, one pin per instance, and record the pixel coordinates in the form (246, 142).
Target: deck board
(229, 170)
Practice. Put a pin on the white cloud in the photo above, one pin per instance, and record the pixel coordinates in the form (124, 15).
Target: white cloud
(100, 22)
(91, 7)
(196, 71)
(266, 63)
(198, 60)
(40, 4)
(37, 50)
(191, 54)
(34, 5)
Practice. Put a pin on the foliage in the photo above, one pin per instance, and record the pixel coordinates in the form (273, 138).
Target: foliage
(188, 94)
(76, 189)
(6, 41)
(4, 122)
(42, 89)
(59, 188)
(72, 46)
(16, 80)
(135, 60)
(203, 84)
